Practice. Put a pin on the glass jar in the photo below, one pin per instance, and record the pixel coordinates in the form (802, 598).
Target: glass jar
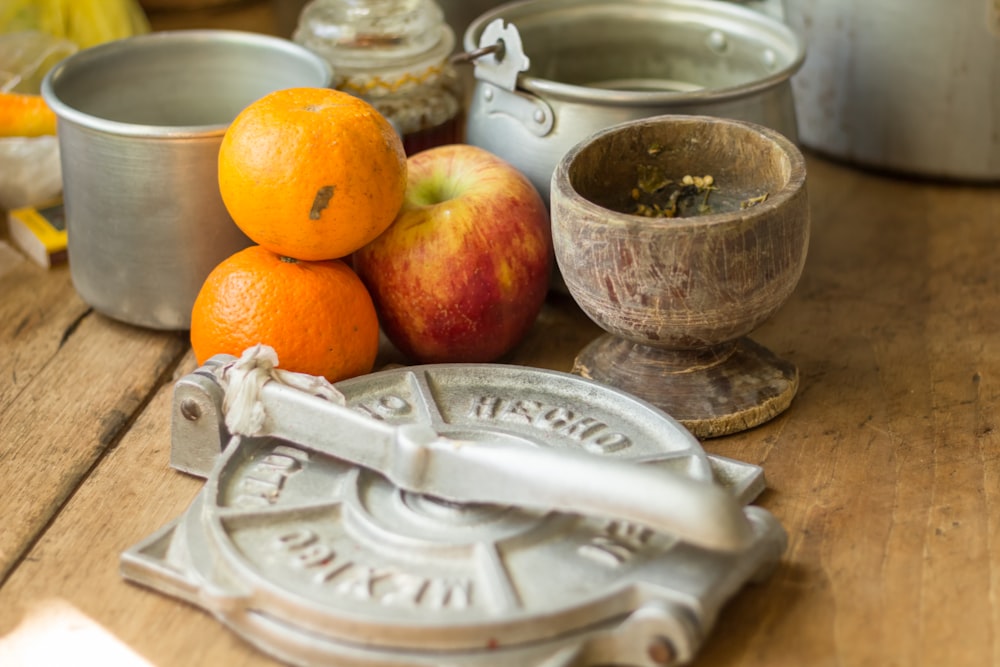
(393, 54)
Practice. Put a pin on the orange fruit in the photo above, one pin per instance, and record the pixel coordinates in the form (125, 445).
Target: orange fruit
(312, 173)
(23, 115)
(318, 316)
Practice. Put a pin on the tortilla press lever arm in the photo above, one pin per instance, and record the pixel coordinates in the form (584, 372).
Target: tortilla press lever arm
(418, 459)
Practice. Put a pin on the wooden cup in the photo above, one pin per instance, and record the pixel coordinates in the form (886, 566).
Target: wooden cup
(678, 296)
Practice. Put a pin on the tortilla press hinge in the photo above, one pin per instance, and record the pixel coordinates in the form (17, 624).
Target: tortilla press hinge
(197, 423)
(497, 63)
(456, 514)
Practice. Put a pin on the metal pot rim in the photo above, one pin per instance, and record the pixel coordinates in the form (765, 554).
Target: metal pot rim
(100, 52)
(734, 15)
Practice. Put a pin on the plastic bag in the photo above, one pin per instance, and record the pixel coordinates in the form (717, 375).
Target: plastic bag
(34, 36)
(30, 173)
(26, 56)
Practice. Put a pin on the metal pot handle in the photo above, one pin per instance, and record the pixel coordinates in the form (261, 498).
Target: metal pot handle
(499, 60)
(497, 63)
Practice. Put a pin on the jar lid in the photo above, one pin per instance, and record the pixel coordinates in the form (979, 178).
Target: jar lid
(371, 34)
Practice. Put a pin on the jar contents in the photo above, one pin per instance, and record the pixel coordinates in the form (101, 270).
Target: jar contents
(394, 55)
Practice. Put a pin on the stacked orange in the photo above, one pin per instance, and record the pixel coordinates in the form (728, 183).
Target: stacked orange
(310, 175)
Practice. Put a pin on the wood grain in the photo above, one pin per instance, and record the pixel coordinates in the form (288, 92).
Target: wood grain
(71, 382)
(884, 470)
(133, 492)
(679, 295)
(129, 495)
(38, 309)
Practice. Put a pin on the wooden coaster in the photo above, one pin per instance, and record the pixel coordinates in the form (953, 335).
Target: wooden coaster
(712, 393)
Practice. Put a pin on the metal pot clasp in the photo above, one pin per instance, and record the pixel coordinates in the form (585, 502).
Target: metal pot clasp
(497, 63)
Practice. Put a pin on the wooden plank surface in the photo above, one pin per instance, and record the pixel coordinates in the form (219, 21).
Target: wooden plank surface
(883, 472)
(72, 381)
(132, 493)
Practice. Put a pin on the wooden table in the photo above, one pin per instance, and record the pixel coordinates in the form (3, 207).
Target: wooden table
(885, 470)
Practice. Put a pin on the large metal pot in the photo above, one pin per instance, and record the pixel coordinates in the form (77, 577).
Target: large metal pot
(912, 85)
(572, 67)
(140, 125)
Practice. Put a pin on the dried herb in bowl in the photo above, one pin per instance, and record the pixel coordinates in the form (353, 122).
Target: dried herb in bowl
(657, 195)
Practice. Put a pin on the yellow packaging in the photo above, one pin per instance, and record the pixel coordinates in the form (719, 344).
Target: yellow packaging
(40, 233)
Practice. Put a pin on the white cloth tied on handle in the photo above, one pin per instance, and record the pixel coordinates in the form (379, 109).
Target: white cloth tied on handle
(243, 379)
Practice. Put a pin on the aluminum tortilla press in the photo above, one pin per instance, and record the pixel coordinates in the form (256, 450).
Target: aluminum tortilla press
(452, 515)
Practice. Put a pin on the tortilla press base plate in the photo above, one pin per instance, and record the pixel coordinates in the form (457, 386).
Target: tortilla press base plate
(317, 561)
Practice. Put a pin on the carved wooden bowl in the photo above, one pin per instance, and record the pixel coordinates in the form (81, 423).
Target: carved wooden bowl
(678, 296)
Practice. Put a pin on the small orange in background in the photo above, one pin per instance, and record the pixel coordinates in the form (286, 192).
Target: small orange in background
(312, 173)
(318, 316)
(23, 115)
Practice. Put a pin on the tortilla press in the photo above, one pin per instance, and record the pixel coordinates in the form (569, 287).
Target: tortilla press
(452, 514)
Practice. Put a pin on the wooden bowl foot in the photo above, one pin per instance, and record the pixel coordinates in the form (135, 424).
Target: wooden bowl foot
(712, 392)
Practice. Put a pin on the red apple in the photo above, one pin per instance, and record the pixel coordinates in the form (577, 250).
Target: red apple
(462, 272)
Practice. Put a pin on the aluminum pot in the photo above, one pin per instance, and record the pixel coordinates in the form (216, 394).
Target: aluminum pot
(904, 85)
(140, 121)
(569, 68)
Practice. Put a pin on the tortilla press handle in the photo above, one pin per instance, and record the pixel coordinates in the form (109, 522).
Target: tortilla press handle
(418, 459)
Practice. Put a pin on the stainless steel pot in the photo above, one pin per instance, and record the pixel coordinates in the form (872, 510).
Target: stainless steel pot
(906, 85)
(140, 124)
(569, 68)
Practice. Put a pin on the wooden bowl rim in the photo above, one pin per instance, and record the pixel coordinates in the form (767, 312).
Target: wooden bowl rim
(561, 186)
